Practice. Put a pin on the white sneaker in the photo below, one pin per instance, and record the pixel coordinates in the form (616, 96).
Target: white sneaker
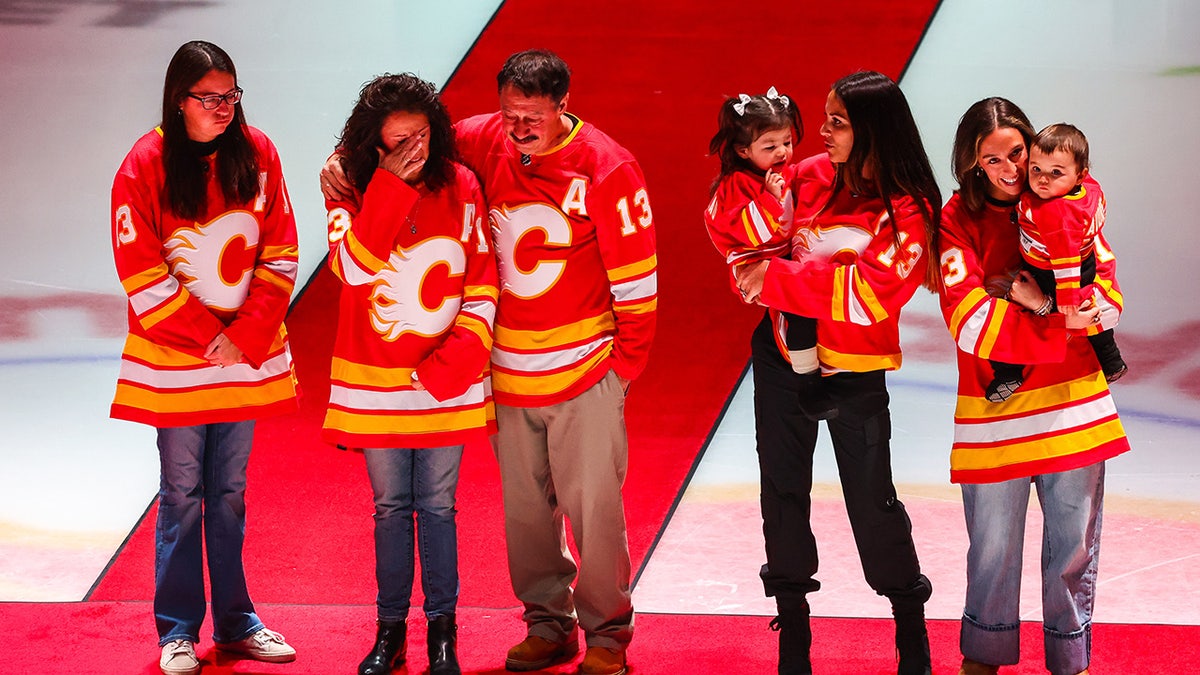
(265, 645)
(179, 658)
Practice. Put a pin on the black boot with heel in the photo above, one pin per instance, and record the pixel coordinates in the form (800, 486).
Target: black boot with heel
(795, 637)
(388, 651)
(912, 640)
(443, 646)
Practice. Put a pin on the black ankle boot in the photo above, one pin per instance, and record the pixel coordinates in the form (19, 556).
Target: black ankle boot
(795, 638)
(912, 640)
(388, 651)
(443, 644)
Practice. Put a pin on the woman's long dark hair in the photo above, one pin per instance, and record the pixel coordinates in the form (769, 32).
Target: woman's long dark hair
(977, 123)
(186, 189)
(380, 98)
(887, 147)
(759, 114)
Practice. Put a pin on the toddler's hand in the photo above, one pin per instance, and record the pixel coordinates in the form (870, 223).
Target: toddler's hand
(774, 184)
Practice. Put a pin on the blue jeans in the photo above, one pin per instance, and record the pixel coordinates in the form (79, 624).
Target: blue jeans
(423, 481)
(202, 495)
(1072, 508)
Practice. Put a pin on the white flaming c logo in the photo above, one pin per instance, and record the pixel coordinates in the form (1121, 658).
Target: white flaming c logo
(215, 261)
(396, 294)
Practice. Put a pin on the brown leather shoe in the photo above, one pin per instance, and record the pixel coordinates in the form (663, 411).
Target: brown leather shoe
(603, 661)
(536, 653)
(970, 667)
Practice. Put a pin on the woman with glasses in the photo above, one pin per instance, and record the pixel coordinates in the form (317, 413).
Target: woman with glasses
(205, 246)
(410, 381)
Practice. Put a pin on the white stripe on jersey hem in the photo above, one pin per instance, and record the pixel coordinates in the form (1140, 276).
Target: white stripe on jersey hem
(543, 362)
(204, 375)
(1016, 429)
(406, 399)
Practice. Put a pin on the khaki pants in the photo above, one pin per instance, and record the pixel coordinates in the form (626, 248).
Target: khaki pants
(568, 460)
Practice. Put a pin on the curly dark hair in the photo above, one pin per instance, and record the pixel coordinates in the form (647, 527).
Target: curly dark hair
(377, 100)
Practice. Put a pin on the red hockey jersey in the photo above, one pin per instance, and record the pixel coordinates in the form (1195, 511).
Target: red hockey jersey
(1057, 234)
(745, 222)
(1062, 418)
(418, 302)
(575, 244)
(850, 271)
(231, 271)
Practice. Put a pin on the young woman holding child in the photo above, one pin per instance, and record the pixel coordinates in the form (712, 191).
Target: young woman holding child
(1055, 432)
(866, 214)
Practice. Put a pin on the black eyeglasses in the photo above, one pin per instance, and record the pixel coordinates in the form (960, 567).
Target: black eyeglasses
(212, 101)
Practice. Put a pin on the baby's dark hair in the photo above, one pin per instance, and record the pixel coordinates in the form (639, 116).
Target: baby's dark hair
(745, 118)
(1066, 137)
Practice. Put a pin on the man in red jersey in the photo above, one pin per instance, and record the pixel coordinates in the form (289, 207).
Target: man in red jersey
(574, 238)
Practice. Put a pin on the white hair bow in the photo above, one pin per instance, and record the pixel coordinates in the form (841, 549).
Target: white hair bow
(740, 107)
(771, 93)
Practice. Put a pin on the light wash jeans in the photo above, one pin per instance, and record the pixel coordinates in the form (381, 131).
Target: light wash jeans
(1072, 506)
(202, 495)
(421, 480)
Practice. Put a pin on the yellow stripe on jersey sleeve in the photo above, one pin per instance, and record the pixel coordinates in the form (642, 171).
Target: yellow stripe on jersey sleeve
(838, 297)
(147, 277)
(152, 319)
(749, 228)
(878, 313)
(335, 265)
(1114, 295)
(533, 340)
(965, 309)
(639, 308)
(478, 327)
(991, 331)
(633, 270)
(282, 251)
(361, 254)
(283, 283)
(485, 291)
(858, 363)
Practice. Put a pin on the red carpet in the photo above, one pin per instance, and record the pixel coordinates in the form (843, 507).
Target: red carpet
(651, 75)
(99, 638)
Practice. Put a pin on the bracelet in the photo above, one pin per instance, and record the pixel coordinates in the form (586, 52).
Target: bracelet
(1046, 307)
